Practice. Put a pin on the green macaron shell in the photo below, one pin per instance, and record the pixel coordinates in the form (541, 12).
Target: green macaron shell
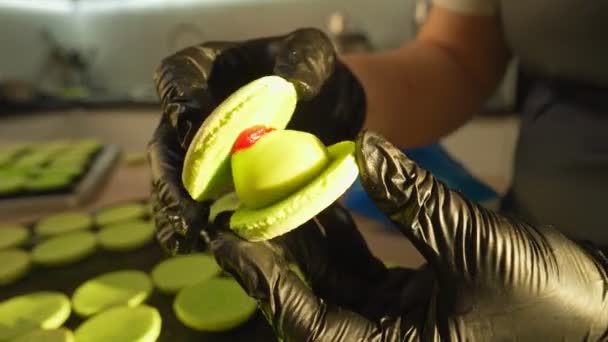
(173, 274)
(6, 158)
(12, 183)
(62, 223)
(14, 264)
(118, 288)
(31, 160)
(120, 213)
(121, 324)
(67, 170)
(46, 335)
(268, 101)
(47, 182)
(228, 202)
(43, 309)
(126, 236)
(303, 205)
(64, 249)
(12, 236)
(296, 158)
(218, 304)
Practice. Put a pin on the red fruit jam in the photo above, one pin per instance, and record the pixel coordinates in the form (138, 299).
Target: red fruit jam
(249, 136)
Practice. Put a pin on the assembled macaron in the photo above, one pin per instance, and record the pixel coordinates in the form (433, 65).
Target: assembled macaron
(273, 179)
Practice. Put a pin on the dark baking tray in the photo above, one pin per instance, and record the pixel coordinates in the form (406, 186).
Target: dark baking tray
(66, 279)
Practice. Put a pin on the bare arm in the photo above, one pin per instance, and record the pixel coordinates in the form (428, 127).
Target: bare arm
(429, 87)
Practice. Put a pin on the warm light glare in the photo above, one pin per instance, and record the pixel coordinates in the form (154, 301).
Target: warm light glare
(113, 5)
(92, 6)
(58, 6)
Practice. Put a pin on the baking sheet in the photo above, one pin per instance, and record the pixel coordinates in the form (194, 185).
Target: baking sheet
(67, 278)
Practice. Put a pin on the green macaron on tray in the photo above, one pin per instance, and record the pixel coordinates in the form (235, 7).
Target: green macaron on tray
(49, 166)
(54, 172)
(101, 276)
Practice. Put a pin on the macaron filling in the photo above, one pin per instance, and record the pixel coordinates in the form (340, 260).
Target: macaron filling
(302, 205)
(274, 179)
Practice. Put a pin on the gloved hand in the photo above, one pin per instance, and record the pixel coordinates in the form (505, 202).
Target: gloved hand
(487, 278)
(192, 82)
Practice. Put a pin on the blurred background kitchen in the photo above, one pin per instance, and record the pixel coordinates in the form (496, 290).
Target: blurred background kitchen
(82, 69)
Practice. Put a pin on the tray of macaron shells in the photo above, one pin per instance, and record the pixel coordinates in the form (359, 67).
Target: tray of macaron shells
(36, 168)
(101, 276)
(54, 174)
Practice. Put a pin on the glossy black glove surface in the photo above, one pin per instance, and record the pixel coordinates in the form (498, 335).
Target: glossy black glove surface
(194, 81)
(488, 277)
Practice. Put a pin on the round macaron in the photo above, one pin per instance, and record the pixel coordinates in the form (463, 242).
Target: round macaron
(124, 287)
(120, 213)
(273, 179)
(14, 264)
(31, 160)
(43, 309)
(12, 183)
(64, 249)
(268, 101)
(48, 182)
(64, 222)
(46, 335)
(304, 203)
(13, 236)
(127, 235)
(175, 273)
(121, 324)
(215, 305)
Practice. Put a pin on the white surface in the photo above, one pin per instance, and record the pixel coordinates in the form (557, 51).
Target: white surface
(131, 37)
(22, 51)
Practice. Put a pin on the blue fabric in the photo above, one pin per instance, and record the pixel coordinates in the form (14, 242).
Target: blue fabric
(444, 167)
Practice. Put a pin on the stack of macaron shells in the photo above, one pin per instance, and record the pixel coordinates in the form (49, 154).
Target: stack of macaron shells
(116, 300)
(44, 166)
(273, 179)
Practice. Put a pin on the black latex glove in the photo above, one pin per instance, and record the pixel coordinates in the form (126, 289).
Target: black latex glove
(194, 81)
(488, 277)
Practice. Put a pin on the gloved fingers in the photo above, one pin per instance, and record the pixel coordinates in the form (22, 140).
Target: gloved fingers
(292, 308)
(307, 58)
(182, 85)
(175, 213)
(331, 252)
(373, 289)
(461, 240)
(348, 247)
(330, 237)
(453, 234)
(167, 235)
